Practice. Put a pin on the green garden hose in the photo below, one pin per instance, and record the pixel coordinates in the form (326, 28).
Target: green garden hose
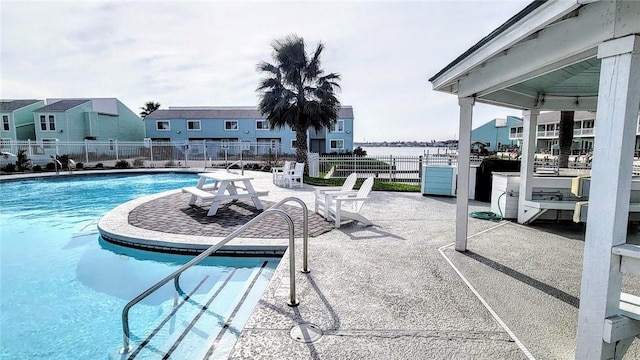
(488, 215)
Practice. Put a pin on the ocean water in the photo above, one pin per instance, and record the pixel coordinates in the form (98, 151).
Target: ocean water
(405, 151)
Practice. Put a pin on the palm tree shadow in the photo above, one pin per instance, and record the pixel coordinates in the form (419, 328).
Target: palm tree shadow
(357, 232)
(546, 288)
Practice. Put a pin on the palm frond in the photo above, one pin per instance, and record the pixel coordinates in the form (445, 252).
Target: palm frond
(294, 90)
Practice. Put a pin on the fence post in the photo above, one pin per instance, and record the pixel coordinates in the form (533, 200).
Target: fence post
(30, 151)
(86, 151)
(204, 143)
(420, 169)
(115, 146)
(186, 154)
(355, 164)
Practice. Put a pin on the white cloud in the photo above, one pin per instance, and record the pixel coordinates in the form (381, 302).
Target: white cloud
(205, 53)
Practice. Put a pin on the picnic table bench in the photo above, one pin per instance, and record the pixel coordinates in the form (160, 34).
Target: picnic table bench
(227, 186)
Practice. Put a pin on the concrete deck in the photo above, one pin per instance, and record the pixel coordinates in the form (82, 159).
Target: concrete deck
(398, 289)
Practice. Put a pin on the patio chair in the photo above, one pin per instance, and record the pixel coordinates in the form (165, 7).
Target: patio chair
(296, 175)
(324, 195)
(349, 207)
(278, 172)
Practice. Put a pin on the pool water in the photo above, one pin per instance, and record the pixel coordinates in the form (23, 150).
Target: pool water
(63, 288)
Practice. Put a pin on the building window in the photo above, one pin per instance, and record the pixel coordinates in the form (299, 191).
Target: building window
(338, 126)
(193, 125)
(5, 143)
(337, 144)
(49, 143)
(262, 125)
(111, 145)
(49, 125)
(293, 144)
(5, 122)
(163, 125)
(225, 144)
(275, 143)
(231, 124)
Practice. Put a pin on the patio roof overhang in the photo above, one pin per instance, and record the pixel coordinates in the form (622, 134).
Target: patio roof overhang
(566, 55)
(547, 59)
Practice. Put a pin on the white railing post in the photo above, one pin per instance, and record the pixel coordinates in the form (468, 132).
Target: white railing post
(115, 147)
(186, 154)
(86, 151)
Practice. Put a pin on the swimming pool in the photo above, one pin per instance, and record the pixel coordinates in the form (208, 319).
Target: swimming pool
(62, 288)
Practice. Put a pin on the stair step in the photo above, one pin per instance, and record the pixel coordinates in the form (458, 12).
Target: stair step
(630, 263)
(178, 315)
(630, 306)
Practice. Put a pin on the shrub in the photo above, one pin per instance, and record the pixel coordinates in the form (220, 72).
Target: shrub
(9, 168)
(359, 151)
(51, 166)
(170, 163)
(37, 168)
(23, 160)
(99, 165)
(122, 164)
(64, 160)
(79, 166)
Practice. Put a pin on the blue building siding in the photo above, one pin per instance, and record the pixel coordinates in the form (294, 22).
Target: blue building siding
(495, 133)
(239, 124)
(16, 119)
(72, 120)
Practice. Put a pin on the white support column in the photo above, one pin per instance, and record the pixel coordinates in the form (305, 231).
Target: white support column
(464, 156)
(616, 119)
(530, 122)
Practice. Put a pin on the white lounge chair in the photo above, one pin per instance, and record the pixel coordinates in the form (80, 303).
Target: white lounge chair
(278, 172)
(348, 207)
(323, 195)
(296, 175)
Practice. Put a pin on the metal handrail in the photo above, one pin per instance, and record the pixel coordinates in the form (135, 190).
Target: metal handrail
(292, 281)
(305, 231)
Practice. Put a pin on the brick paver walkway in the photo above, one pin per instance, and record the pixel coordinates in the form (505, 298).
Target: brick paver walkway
(172, 214)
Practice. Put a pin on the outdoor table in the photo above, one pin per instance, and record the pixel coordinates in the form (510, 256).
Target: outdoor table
(228, 186)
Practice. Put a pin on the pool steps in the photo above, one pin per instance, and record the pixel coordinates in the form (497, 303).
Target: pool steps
(198, 324)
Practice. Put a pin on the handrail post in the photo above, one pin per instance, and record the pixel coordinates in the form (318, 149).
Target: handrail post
(305, 230)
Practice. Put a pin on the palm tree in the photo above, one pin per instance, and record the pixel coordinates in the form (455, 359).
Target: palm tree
(295, 91)
(148, 108)
(565, 138)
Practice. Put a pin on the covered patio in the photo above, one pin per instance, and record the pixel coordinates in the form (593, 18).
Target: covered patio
(568, 55)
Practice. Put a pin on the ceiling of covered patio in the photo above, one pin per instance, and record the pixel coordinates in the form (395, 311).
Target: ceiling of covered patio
(544, 57)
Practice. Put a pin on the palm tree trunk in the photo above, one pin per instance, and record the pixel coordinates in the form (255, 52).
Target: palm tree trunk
(301, 146)
(565, 138)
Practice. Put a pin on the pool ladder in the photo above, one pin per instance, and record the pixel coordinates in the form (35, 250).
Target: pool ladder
(126, 348)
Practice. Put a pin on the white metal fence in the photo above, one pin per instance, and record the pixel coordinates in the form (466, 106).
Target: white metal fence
(405, 169)
(220, 153)
(147, 153)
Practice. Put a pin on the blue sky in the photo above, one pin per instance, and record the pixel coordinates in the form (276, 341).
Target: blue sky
(205, 53)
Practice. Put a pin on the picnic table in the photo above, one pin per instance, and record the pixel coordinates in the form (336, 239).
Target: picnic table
(227, 186)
